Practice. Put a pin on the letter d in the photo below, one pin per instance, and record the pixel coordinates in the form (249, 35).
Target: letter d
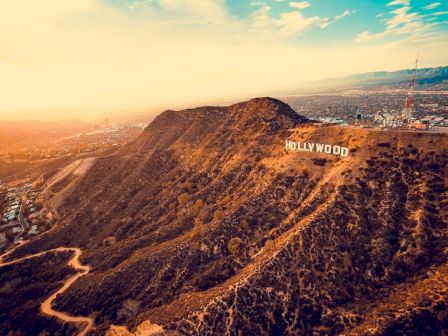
(344, 151)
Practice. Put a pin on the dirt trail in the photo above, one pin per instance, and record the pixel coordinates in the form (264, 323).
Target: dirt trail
(263, 257)
(46, 306)
(333, 176)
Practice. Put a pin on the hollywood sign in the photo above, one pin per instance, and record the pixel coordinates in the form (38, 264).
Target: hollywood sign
(316, 148)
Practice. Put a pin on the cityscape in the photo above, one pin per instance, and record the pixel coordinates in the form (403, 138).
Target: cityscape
(376, 109)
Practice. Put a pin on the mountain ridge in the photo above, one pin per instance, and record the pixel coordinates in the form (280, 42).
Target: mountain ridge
(206, 224)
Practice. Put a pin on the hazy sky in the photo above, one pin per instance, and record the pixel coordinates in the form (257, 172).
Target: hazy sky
(88, 58)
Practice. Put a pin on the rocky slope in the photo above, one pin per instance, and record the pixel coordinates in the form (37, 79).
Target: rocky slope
(206, 225)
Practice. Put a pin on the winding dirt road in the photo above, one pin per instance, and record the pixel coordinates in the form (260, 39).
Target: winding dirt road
(46, 306)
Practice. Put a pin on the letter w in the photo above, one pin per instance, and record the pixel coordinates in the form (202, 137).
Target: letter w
(319, 147)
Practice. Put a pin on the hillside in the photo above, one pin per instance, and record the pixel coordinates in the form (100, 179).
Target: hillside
(206, 225)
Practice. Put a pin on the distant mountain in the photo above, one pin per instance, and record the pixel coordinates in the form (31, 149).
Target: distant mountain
(426, 78)
(206, 225)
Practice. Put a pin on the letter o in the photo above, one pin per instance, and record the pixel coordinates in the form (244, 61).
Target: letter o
(327, 149)
(336, 150)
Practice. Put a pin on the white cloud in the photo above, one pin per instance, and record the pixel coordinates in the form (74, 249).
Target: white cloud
(401, 16)
(295, 23)
(403, 23)
(344, 14)
(432, 5)
(300, 5)
(257, 3)
(398, 2)
(208, 11)
(440, 13)
(366, 36)
(92, 57)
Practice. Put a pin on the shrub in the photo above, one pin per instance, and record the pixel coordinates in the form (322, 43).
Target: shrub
(235, 205)
(183, 198)
(320, 162)
(269, 245)
(165, 193)
(235, 244)
(217, 215)
(223, 201)
(198, 204)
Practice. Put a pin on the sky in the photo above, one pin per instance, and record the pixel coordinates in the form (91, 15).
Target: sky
(89, 59)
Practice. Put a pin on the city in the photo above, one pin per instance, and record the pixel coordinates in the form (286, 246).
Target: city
(23, 213)
(376, 109)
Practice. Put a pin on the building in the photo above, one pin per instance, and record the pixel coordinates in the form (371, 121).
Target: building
(17, 230)
(3, 240)
(33, 231)
(420, 126)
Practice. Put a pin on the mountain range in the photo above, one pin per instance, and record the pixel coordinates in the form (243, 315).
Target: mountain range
(426, 78)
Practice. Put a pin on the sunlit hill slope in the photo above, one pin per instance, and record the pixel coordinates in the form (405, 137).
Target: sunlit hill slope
(206, 225)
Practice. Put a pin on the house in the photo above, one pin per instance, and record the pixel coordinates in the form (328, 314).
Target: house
(3, 240)
(33, 231)
(17, 230)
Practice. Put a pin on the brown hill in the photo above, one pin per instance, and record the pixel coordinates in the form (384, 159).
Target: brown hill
(206, 225)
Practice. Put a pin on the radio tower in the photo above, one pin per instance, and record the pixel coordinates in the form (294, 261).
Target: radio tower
(406, 114)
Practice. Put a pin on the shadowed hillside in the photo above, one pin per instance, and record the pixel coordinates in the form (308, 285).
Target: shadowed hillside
(206, 225)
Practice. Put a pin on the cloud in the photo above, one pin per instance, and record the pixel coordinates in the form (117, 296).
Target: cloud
(432, 5)
(366, 36)
(300, 5)
(402, 23)
(440, 13)
(204, 11)
(295, 22)
(86, 58)
(258, 3)
(344, 14)
(292, 23)
(398, 2)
